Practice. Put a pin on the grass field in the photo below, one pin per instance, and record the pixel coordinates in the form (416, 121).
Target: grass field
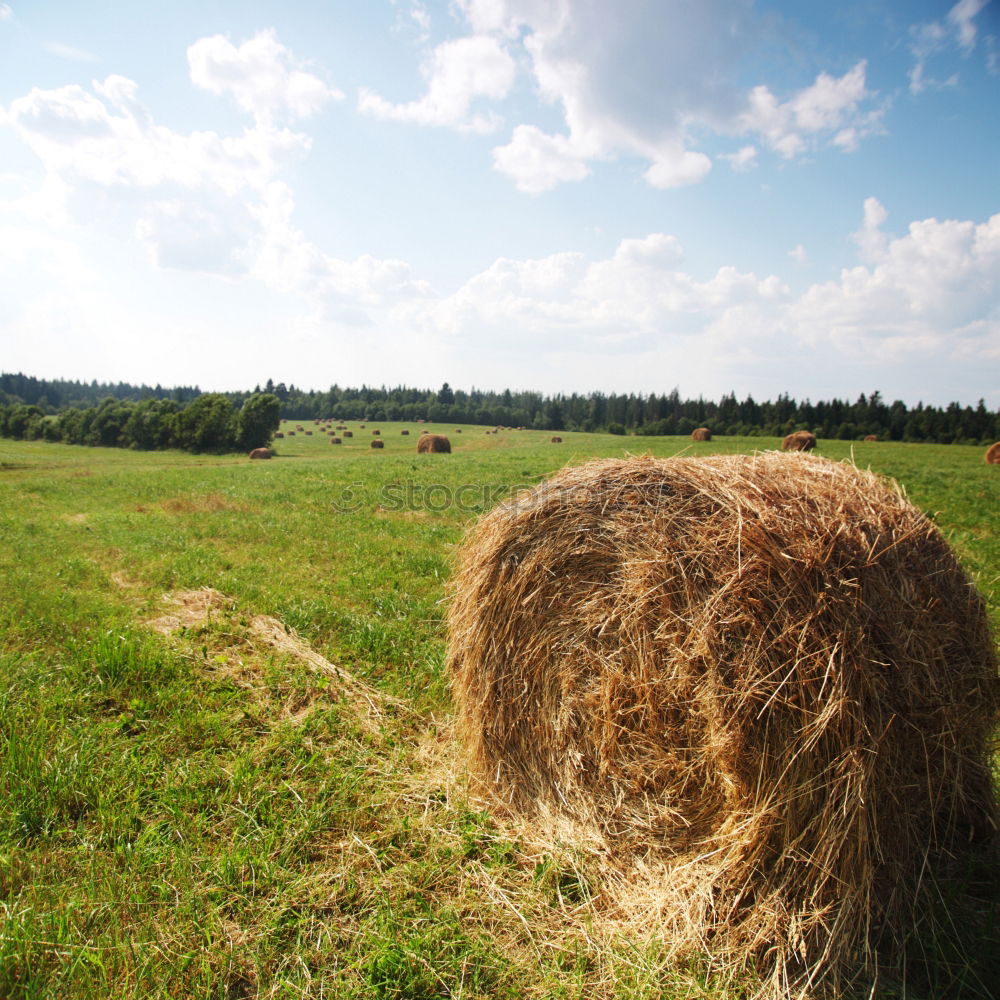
(203, 813)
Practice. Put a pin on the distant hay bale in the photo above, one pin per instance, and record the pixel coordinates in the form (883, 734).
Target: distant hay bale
(335, 440)
(348, 434)
(376, 432)
(764, 679)
(437, 443)
(992, 456)
(404, 432)
(556, 440)
(378, 443)
(799, 441)
(458, 430)
(260, 453)
(871, 437)
(701, 434)
(278, 434)
(309, 434)
(291, 434)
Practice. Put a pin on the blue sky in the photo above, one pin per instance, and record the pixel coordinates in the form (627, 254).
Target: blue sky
(569, 195)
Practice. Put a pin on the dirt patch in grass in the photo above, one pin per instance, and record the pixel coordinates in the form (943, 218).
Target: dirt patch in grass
(210, 503)
(246, 643)
(188, 609)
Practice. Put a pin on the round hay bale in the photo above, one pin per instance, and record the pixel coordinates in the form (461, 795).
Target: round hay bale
(260, 453)
(437, 443)
(871, 437)
(799, 441)
(348, 434)
(335, 440)
(701, 434)
(404, 433)
(278, 434)
(764, 679)
(458, 430)
(992, 456)
(556, 440)
(376, 432)
(309, 434)
(378, 443)
(291, 434)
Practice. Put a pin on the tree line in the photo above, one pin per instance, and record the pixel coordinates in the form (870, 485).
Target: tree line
(209, 423)
(140, 417)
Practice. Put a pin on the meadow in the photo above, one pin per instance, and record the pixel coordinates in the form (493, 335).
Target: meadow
(191, 811)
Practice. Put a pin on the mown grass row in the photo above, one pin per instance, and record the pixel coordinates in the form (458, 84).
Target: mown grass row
(198, 815)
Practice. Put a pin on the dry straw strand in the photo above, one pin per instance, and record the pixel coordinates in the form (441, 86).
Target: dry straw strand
(763, 680)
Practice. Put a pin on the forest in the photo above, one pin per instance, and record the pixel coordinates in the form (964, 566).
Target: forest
(144, 417)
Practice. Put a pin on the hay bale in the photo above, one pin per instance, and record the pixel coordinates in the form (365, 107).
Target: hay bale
(278, 434)
(437, 443)
(348, 434)
(376, 432)
(404, 432)
(871, 437)
(309, 434)
(765, 679)
(378, 443)
(992, 456)
(701, 434)
(556, 440)
(260, 453)
(458, 430)
(799, 441)
(335, 440)
(291, 434)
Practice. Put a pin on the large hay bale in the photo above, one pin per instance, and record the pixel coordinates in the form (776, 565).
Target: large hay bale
(701, 434)
(799, 441)
(335, 440)
(764, 678)
(871, 437)
(404, 432)
(556, 440)
(260, 453)
(992, 456)
(348, 434)
(437, 443)
(378, 443)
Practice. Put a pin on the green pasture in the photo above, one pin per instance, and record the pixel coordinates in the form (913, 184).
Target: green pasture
(195, 816)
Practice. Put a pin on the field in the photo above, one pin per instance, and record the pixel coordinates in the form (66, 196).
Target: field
(201, 808)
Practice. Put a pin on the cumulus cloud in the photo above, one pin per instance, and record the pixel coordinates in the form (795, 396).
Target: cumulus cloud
(638, 84)
(5, 11)
(929, 39)
(458, 73)
(262, 76)
(202, 201)
(930, 293)
(831, 105)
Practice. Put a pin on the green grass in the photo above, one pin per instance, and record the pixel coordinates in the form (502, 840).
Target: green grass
(199, 816)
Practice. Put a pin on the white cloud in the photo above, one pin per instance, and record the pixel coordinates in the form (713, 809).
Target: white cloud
(201, 202)
(799, 254)
(5, 11)
(458, 73)
(929, 39)
(538, 162)
(829, 105)
(261, 74)
(745, 158)
(930, 294)
(638, 84)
